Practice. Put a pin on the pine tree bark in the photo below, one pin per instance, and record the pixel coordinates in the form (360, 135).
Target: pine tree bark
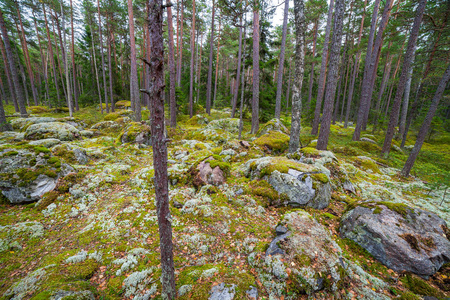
(217, 65)
(100, 36)
(426, 123)
(403, 77)
(288, 89)
(241, 108)
(134, 85)
(180, 45)
(311, 78)
(66, 64)
(173, 103)
(110, 41)
(333, 70)
(95, 66)
(281, 62)
(405, 104)
(12, 90)
(369, 69)
(299, 13)
(323, 71)
(191, 87)
(74, 70)
(12, 66)
(238, 70)
(384, 81)
(159, 143)
(255, 98)
(27, 57)
(211, 47)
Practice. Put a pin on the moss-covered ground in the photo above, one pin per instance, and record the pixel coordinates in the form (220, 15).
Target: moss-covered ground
(105, 213)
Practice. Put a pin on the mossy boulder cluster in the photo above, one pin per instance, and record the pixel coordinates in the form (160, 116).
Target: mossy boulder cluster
(136, 132)
(57, 130)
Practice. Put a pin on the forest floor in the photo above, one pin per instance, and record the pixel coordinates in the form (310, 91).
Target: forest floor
(98, 234)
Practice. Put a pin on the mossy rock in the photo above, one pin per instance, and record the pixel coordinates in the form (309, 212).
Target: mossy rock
(273, 142)
(38, 109)
(259, 168)
(123, 104)
(367, 164)
(136, 132)
(268, 194)
(366, 146)
(420, 287)
(310, 152)
(57, 130)
(198, 120)
(113, 116)
(272, 125)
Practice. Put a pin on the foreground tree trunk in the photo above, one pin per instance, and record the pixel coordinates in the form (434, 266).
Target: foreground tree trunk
(299, 12)
(9, 76)
(255, 99)
(173, 103)
(281, 65)
(403, 77)
(323, 70)
(159, 143)
(311, 78)
(211, 47)
(12, 67)
(333, 70)
(134, 86)
(191, 86)
(426, 123)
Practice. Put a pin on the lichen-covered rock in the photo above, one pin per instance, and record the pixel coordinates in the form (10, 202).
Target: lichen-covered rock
(7, 137)
(71, 154)
(402, 238)
(108, 127)
(136, 132)
(222, 292)
(123, 104)
(87, 133)
(27, 285)
(304, 185)
(198, 120)
(81, 295)
(272, 125)
(29, 173)
(273, 142)
(21, 123)
(57, 130)
(209, 171)
(47, 143)
(228, 124)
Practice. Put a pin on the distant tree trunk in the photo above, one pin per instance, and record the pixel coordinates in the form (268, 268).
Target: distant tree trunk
(173, 103)
(255, 99)
(66, 65)
(101, 55)
(109, 39)
(217, 66)
(333, 70)
(369, 69)
(134, 85)
(24, 83)
(311, 78)
(238, 70)
(12, 66)
(426, 123)
(27, 57)
(4, 125)
(299, 13)
(386, 74)
(241, 122)
(74, 70)
(211, 47)
(281, 62)
(44, 71)
(63, 51)
(191, 87)
(199, 65)
(52, 59)
(402, 124)
(95, 67)
(8, 76)
(323, 70)
(403, 77)
(3, 91)
(355, 69)
(288, 90)
(180, 45)
(159, 144)
(345, 89)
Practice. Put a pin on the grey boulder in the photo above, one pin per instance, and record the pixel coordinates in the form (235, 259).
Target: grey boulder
(57, 130)
(222, 292)
(405, 240)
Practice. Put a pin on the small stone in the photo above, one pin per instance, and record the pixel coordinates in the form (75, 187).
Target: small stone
(252, 293)
(280, 230)
(177, 204)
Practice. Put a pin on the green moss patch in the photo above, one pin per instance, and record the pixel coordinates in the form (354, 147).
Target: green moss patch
(274, 141)
(420, 287)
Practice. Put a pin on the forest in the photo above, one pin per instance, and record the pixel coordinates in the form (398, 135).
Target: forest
(222, 149)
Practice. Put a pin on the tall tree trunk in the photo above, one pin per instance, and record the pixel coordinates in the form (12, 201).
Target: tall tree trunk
(180, 46)
(74, 70)
(198, 63)
(311, 78)
(355, 69)
(345, 89)
(235, 95)
(288, 89)
(403, 77)
(241, 108)
(109, 39)
(173, 103)
(191, 87)
(134, 85)
(66, 65)
(12, 90)
(323, 70)
(281, 62)
(100, 35)
(217, 64)
(12, 66)
(402, 124)
(369, 69)
(63, 51)
(52, 58)
(24, 82)
(95, 66)
(386, 74)
(211, 47)
(159, 143)
(299, 13)
(44, 68)
(426, 123)
(255, 98)
(332, 77)
(27, 57)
